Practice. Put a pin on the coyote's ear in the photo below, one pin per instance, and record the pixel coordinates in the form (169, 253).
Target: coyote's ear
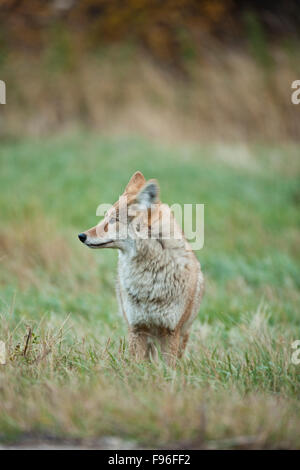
(148, 194)
(136, 182)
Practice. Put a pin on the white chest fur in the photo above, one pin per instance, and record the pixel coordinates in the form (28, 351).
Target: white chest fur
(154, 286)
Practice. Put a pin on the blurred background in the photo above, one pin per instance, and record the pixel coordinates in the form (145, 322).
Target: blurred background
(198, 95)
(173, 69)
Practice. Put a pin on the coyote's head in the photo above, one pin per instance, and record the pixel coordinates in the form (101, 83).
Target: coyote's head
(136, 214)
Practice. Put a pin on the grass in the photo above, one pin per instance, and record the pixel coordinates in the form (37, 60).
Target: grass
(74, 379)
(225, 93)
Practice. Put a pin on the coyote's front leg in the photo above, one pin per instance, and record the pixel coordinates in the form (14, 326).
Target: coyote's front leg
(138, 344)
(183, 342)
(169, 347)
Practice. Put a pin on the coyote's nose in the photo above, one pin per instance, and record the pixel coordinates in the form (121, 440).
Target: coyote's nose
(82, 237)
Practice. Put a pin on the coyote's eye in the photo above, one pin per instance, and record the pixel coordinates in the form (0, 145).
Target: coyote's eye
(113, 220)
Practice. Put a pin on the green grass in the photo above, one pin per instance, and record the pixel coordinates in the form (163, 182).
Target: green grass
(76, 378)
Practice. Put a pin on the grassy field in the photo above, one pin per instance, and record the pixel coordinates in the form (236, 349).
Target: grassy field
(68, 372)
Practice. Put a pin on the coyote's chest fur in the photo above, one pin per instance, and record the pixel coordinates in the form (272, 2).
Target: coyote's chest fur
(154, 286)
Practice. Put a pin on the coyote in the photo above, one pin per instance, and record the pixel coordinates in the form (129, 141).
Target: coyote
(160, 284)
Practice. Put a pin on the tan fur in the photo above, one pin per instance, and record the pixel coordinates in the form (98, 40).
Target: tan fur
(160, 284)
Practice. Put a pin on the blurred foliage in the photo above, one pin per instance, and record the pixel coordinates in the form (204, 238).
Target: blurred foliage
(169, 30)
(192, 69)
(257, 40)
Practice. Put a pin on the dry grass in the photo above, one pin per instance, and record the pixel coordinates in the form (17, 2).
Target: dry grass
(227, 95)
(21, 252)
(33, 252)
(219, 396)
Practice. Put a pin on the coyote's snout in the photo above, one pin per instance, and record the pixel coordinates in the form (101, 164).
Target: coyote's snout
(160, 283)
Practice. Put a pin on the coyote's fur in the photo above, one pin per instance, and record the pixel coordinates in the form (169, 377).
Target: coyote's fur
(160, 283)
